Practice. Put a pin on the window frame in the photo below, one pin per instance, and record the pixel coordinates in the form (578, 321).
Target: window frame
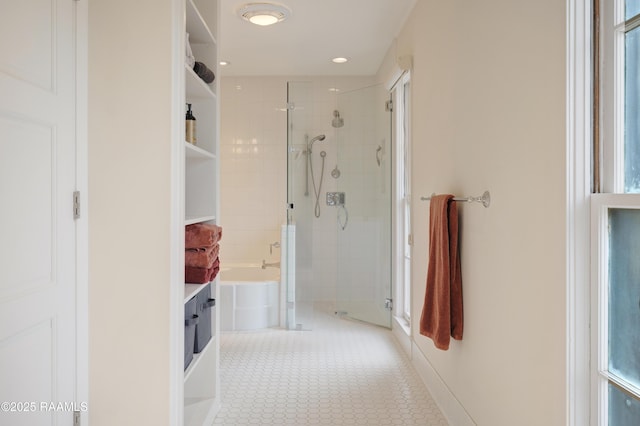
(401, 98)
(608, 155)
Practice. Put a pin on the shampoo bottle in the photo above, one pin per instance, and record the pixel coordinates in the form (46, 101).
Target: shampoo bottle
(190, 126)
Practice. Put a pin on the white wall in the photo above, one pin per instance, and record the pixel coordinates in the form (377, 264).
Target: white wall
(129, 208)
(488, 114)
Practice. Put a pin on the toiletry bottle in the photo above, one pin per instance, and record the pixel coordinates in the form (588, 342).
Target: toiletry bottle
(190, 125)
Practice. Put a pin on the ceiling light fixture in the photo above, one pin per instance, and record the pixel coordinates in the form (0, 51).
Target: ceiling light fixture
(339, 60)
(224, 63)
(264, 13)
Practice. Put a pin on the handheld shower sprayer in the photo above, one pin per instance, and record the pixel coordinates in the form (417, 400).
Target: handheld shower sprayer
(309, 166)
(318, 138)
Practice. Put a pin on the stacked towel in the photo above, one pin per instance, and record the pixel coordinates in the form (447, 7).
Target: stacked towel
(201, 262)
(201, 235)
(196, 275)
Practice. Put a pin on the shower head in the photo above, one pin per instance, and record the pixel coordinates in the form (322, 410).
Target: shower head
(337, 120)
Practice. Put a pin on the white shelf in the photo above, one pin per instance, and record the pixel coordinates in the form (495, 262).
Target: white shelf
(191, 290)
(199, 357)
(197, 27)
(190, 220)
(200, 411)
(195, 87)
(194, 152)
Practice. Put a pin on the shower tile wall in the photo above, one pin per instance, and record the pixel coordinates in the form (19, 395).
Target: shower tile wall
(254, 173)
(253, 168)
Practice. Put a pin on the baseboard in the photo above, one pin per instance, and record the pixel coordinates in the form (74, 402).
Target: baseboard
(402, 334)
(450, 407)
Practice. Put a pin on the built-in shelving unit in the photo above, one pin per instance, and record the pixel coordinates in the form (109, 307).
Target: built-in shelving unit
(201, 378)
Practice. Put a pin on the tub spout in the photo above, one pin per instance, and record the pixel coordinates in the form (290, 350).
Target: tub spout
(266, 265)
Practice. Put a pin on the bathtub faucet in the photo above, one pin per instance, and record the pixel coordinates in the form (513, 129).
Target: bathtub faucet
(266, 265)
(273, 245)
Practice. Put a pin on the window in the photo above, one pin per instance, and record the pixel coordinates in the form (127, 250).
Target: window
(401, 102)
(615, 216)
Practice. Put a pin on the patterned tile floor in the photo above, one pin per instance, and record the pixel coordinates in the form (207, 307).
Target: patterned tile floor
(342, 373)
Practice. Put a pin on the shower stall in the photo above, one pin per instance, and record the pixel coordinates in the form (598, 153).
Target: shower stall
(338, 241)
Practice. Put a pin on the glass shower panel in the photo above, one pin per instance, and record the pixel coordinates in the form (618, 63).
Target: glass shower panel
(298, 272)
(364, 237)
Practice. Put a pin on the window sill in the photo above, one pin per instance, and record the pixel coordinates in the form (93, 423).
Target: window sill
(402, 324)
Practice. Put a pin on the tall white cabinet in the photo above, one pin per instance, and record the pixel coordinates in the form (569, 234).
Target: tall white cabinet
(201, 166)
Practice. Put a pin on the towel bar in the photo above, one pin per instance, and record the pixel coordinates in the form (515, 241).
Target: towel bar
(485, 199)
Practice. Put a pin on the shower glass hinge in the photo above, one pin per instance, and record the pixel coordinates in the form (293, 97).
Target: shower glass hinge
(388, 106)
(76, 204)
(291, 106)
(388, 304)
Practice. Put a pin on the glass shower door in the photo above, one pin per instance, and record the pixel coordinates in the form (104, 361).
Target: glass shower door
(364, 223)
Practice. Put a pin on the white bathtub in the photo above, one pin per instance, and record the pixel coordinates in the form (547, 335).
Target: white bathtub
(248, 297)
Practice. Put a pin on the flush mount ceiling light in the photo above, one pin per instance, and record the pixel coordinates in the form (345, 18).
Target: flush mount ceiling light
(339, 60)
(264, 13)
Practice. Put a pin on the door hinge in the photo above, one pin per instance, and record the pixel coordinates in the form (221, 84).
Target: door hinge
(388, 106)
(76, 418)
(388, 303)
(410, 239)
(76, 204)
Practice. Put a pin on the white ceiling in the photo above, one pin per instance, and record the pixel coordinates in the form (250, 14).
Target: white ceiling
(316, 31)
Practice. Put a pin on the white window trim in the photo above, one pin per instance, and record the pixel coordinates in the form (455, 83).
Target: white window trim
(578, 157)
(401, 293)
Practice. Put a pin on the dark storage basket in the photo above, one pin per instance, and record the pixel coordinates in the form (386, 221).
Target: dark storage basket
(191, 321)
(205, 309)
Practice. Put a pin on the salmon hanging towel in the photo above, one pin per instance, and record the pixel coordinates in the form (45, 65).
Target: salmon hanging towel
(442, 311)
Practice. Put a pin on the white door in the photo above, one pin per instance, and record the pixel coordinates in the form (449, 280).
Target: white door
(37, 230)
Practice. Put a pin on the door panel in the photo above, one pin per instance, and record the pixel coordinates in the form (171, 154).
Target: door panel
(27, 37)
(37, 230)
(28, 261)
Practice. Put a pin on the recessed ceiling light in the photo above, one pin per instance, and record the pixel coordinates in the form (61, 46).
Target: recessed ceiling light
(264, 13)
(339, 60)
(224, 63)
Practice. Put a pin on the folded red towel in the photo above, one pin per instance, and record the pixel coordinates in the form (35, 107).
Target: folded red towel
(201, 235)
(442, 310)
(201, 257)
(194, 275)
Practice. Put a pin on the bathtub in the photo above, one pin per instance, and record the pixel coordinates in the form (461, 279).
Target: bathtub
(248, 297)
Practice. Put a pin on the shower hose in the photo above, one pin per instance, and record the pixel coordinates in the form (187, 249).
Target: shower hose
(317, 190)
